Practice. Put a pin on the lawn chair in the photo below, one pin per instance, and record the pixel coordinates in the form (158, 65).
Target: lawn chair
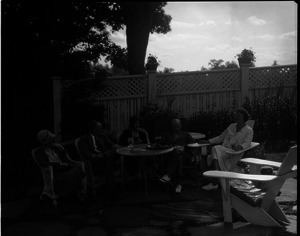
(48, 177)
(257, 206)
(91, 180)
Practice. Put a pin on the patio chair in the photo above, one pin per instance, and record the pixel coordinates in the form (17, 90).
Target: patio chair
(91, 180)
(48, 177)
(257, 206)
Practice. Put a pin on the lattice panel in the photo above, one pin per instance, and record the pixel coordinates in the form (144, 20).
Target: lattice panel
(198, 82)
(124, 87)
(265, 77)
(120, 87)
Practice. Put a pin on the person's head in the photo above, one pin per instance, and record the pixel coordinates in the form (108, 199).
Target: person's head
(241, 115)
(176, 125)
(134, 122)
(45, 137)
(95, 128)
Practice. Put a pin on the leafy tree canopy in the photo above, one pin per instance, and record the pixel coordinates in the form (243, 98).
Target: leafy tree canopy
(52, 29)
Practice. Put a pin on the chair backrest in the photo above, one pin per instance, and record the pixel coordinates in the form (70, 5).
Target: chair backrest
(76, 142)
(289, 161)
(33, 154)
(250, 123)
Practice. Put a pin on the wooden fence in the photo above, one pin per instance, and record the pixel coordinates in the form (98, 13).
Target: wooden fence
(188, 92)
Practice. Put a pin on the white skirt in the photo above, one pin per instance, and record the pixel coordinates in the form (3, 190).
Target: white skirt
(227, 162)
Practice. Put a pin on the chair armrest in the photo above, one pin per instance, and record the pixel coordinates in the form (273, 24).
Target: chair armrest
(257, 161)
(252, 145)
(233, 175)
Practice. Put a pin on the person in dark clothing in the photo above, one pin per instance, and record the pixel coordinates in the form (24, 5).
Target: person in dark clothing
(100, 151)
(179, 139)
(134, 135)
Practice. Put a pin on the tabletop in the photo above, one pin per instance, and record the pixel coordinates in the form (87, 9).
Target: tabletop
(142, 150)
(197, 135)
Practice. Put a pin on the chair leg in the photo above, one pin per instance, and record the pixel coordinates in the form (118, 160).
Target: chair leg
(254, 215)
(276, 212)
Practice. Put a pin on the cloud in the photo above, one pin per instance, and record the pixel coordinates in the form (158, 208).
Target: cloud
(219, 48)
(210, 22)
(256, 21)
(178, 24)
(265, 37)
(236, 39)
(289, 35)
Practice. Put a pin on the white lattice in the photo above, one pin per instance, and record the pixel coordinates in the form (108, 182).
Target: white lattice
(275, 76)
(196, 82)
(124, 88)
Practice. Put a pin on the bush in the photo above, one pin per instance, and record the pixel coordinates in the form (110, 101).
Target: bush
(210, 123)
(156, 119)
(275, 121)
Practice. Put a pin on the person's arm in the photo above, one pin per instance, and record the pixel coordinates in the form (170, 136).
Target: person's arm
(123, 141)
(248, 138)
(145, 134)
(85, 151)
(42, 159)
(220, 138)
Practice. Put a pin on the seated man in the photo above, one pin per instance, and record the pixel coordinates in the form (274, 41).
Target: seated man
(97, 148)
(179, 139)
(67, 174)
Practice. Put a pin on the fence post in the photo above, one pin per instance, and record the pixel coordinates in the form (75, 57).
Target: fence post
(57, 107)
(244, 81)
(151, 85)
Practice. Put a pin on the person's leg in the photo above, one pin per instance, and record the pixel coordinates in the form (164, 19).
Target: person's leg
(172, 166)
(216, 154)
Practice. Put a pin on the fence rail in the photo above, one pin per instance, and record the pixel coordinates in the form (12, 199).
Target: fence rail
(189, 92)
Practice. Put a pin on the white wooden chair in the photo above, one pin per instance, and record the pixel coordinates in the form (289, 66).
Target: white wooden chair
(267, 211)
(48, 177)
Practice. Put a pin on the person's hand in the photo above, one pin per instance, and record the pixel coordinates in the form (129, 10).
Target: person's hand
(237, 147)
(204, 141)
(116, 146)
(99, 155)
(179, 148)
(63, 164)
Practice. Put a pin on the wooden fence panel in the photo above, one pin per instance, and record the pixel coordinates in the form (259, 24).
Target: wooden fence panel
(124, 96)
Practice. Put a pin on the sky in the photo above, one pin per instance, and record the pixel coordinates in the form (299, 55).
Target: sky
(202, 31)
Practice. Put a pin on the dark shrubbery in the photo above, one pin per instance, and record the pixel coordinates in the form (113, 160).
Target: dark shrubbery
(156, 119)
(275, 121)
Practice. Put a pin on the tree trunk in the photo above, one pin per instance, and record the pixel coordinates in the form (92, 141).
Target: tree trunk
(138, 24)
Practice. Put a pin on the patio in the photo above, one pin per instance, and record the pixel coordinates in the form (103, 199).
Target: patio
(194, 212)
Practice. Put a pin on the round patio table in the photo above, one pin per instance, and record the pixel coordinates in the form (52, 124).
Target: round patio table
(197, 135)
(143, 151)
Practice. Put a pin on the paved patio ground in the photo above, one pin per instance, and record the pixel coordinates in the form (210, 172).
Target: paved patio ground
(130, 213)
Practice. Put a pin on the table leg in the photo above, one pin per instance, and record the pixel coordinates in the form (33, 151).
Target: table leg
(122, 168)
(145, 179)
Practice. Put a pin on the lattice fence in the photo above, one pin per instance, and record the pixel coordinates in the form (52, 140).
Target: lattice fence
(189, 91)
(269, 80)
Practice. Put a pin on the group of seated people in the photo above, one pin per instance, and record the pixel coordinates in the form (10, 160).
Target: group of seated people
(98, 148)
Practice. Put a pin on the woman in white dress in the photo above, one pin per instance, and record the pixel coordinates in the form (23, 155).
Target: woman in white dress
(237, 136)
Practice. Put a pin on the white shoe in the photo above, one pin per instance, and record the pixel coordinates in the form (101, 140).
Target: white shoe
(178, 188)
(165, 179)
(209, 187)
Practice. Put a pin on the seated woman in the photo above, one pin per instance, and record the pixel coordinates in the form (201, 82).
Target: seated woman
(237, 136)
(67, 175)
(132, 136)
